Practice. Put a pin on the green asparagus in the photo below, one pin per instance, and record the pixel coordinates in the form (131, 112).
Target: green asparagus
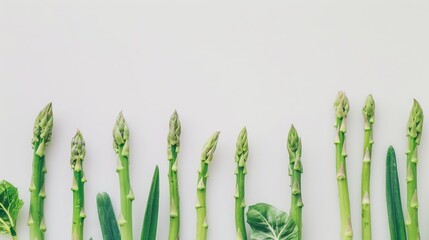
(368, 115)
(173, 141)
(42, 132)
(206, 158)
(78, 151)
(341, 106)
(414, 133)
(294, 148)
(121, 147)
(242, 151)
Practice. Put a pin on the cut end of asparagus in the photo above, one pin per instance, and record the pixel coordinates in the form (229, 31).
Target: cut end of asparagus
(209, 148)
(415, 122)
(175, 130)
(42, 130)
(120, 132)
(368, 109)
(78, 151)
(341, 105)
(242, 150)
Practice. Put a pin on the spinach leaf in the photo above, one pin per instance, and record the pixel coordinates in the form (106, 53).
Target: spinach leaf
(269, 223)
(10, 204)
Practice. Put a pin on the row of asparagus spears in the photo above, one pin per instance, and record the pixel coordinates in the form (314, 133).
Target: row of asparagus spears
(122, 227)
(400, 229)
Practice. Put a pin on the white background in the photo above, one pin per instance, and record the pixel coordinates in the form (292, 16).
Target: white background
(222, 66)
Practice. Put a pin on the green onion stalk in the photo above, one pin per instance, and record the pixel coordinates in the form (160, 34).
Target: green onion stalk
(206, 158)
(42, 132)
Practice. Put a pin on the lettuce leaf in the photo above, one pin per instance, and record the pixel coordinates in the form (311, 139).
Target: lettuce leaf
(10, 204)
(269, 223)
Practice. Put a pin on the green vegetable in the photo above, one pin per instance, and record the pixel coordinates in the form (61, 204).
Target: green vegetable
(121, 146)
(393, 198)
(242, 151)
(294, 148)
(206, 158)
(414, 133)
(150, 222)
(268, 222)
(42, 132)
(341, 106)
(173, 140)
(77, 156)
(368, 115)
(106, 215)
(10, 204)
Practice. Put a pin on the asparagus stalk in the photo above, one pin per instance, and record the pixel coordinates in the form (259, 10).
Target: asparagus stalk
(294, 148)
(173, 141)
(78, 151)
(368, 115)
(121, 146)
(206, 158)
(341, 106)
(41, 137)
(414, 133)
(242, 151)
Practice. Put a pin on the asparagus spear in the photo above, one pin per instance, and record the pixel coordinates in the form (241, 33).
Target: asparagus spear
(206, 158)
(41, 137)
(368, 115)
(78, 151)
(121, 146)
(414, 133)
(173, 140)
(294, 148)
(241, 154)
(341, 106)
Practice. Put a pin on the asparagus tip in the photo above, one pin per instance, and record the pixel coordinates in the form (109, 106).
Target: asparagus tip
(120, 130)
(175, 130)
(210, 147)
(78, 149)
(415, 122)
(242, 148)
(293, 140)
(369, 108)
(341, 105)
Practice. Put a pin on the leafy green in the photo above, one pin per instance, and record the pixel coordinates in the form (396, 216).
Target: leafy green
(10, 204)
(269, 223)
(150, 222)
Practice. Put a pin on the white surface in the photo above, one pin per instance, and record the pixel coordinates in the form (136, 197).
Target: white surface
(222, 66)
